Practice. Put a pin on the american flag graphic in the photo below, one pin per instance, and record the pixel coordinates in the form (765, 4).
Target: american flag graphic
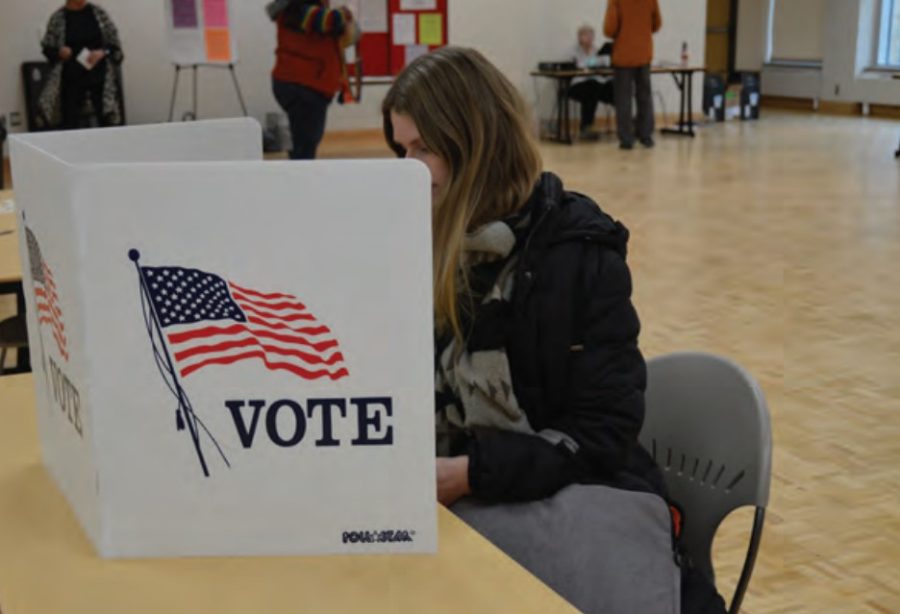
(45, 296)
(210, 321)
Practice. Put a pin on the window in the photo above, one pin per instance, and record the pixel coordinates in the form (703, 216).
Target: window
(796, 30)
(889, 34)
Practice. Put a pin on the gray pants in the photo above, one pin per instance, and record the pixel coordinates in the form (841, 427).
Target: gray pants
(634, 82)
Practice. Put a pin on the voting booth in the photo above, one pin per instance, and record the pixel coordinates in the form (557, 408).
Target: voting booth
(231, 356)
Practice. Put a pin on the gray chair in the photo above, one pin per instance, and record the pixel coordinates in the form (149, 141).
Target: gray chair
(707, 426)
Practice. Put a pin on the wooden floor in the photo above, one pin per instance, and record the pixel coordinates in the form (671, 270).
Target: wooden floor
(777, 243)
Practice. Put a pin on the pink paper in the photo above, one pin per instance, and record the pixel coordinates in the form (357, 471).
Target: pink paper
(215, 13)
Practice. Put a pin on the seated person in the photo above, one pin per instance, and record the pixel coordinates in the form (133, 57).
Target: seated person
(590, 91)
(539, 377)
(539, 380)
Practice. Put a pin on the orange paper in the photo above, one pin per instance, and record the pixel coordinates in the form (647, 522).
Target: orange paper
(218, 45)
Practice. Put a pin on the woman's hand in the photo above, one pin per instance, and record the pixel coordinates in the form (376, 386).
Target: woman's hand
(95, 56)
(452, 479)
(65, 53)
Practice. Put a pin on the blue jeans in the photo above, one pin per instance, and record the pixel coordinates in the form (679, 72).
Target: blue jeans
(306, 110)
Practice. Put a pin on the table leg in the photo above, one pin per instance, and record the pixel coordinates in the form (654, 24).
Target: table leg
(563, 133)
(690, 102)
(685, 126)
(568, 126)
(23, 356)
(559, 109)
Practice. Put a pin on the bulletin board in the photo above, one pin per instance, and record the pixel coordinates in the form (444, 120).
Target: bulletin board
(417, 27)
(395, 32)
(200, 32)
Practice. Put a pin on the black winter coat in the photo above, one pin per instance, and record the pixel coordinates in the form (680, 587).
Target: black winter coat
(571, 339)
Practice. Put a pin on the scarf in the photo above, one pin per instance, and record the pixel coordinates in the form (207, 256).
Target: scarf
(474, 387)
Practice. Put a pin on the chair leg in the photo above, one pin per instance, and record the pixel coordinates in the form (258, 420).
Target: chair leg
(752, 550)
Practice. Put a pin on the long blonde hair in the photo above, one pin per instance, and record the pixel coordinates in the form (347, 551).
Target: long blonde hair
(474, 119)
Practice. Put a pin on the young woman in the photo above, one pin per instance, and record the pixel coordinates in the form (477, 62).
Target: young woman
(539, 380)
(590, 91)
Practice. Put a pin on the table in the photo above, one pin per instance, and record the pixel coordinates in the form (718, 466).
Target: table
(10, 268)
(11, 273)
(683, 76)
(48, 565)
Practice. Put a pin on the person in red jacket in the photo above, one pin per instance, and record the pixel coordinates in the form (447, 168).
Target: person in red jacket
(631, 24)
(308, 66)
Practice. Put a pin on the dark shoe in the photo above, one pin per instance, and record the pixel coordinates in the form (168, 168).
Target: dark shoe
(626, 146)
(648, 143)
(587, 134)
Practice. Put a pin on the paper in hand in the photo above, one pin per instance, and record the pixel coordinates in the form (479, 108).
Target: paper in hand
(84, 58)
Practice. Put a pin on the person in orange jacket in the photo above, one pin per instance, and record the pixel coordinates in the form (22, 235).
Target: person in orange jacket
(631, 24)
(308, 67)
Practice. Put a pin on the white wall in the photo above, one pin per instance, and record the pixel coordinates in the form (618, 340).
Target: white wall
(683, 21)
(844, 70)
(848, 32)
(515, 34)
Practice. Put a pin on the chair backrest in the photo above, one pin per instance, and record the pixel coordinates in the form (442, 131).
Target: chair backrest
(707, 426)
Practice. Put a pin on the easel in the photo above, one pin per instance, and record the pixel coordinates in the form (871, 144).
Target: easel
(192, 115)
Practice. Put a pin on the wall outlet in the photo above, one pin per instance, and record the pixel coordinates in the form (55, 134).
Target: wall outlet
(15, 119)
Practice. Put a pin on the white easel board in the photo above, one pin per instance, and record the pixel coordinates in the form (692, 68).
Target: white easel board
(201, 31)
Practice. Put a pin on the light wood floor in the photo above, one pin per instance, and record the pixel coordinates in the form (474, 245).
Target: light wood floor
(777, 243)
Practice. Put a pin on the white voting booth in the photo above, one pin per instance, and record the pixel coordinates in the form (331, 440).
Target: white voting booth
(231, 357)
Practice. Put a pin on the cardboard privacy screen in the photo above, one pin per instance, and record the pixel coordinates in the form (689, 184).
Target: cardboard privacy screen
(231, 357)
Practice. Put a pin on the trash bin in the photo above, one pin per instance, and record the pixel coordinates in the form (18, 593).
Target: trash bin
(714, 97)
(749, 96)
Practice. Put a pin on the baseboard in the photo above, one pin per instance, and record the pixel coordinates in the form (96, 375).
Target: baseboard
(884, 110)
(785, 102)
(834, 107)
(831, 107)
